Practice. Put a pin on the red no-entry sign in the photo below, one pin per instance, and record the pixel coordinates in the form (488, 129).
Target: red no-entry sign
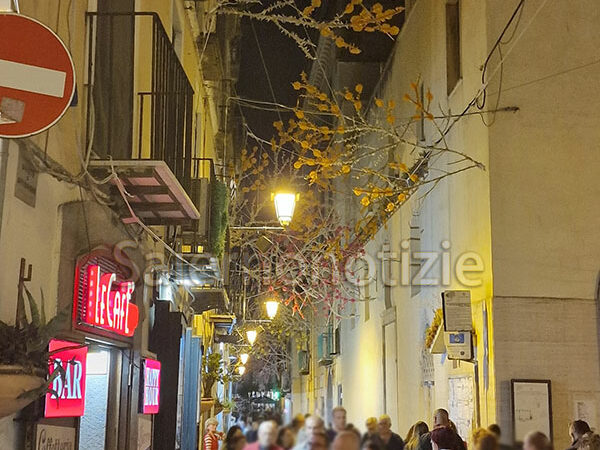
(37, 76)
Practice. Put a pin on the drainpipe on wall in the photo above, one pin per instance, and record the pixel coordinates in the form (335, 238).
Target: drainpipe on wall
(4, 143)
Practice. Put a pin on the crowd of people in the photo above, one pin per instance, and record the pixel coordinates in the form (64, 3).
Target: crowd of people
(309, 433)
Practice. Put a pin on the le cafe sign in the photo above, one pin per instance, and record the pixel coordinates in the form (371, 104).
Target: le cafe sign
(107, 302)
(67, 390)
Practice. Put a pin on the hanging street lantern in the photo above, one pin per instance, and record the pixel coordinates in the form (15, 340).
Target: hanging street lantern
(241, 370)
(272, 307)
(285, 203)
(244, 358)
(251, 335)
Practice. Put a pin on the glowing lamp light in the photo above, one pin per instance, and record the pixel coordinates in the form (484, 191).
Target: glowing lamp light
(285, 202)
(251, 335)
(241, 370)
(272, 307)
(244, 358)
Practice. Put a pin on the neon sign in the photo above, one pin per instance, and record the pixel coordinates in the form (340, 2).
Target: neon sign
(109, 303)
(151, 399)
(67, 390)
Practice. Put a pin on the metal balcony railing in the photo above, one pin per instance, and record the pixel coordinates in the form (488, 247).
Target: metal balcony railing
(140, 101)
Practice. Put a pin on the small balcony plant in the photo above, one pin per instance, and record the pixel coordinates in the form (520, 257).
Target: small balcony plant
(24, 357)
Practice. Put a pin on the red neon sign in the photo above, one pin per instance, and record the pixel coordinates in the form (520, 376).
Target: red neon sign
(151, 399)
(67, 398)
(109, 303)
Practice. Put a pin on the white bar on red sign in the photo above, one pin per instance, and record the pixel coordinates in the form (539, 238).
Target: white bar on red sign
(29, 78)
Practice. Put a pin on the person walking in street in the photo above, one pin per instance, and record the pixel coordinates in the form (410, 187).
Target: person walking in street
(577, 429)
(236, 443)
(443, 438)
(212, 437)
(252, 433)
(339, 422)
(389, 439)
(286, 438)
(536, 440)
(267, 437)
(414, 435)
(372, 435)
(589, 441)
(346, 440)
(317, 441)
(232, 435)
(313, 425)
(484, 439)
(496, 431)
(297, 424)
(441, 420)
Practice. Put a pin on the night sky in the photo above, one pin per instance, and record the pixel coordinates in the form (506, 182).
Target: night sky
(284, 62)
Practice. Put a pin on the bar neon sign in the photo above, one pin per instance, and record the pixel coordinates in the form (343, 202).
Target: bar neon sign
(151, 399)
(67, 391)
(109, 303)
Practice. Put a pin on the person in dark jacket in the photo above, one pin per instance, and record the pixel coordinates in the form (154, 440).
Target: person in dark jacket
(441, 420)
(372, 434)
(577, 429)
(389, 439)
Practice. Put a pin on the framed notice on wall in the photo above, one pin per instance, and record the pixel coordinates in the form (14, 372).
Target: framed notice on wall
(531, 407)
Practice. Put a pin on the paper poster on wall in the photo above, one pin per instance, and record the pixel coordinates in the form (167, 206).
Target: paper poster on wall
(531, 407)
(460, 404)
(584, 408)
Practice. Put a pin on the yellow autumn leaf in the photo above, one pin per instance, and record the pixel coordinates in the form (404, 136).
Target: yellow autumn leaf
(414, 178)
(355, 50)
(298, 164)
(316, 3)
(429, 95)
(339, 42)
(348, 96)
(317, 153)
(296, 85)
(359, 88)
(326, 31)
(389, 207)
(345, 168)
(401, 197)
(300, 114)
(349, 8)
(365, 201)
(379, 102)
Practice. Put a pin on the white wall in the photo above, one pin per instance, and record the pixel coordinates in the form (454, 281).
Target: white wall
(544, 160)
(33, 234)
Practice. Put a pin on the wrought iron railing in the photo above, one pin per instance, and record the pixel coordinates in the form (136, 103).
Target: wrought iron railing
(140, 101)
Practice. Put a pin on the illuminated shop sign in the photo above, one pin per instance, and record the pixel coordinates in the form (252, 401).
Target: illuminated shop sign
(67, 390)
(109, 303)
(103, 298)
(151, 387)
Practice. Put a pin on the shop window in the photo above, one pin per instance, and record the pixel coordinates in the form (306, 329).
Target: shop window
(453, 66)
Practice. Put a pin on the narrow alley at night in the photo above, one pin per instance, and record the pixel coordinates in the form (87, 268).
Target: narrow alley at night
(299, 225)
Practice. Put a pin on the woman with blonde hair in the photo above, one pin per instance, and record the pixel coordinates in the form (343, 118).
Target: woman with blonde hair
(414, 435)
(212, 437)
